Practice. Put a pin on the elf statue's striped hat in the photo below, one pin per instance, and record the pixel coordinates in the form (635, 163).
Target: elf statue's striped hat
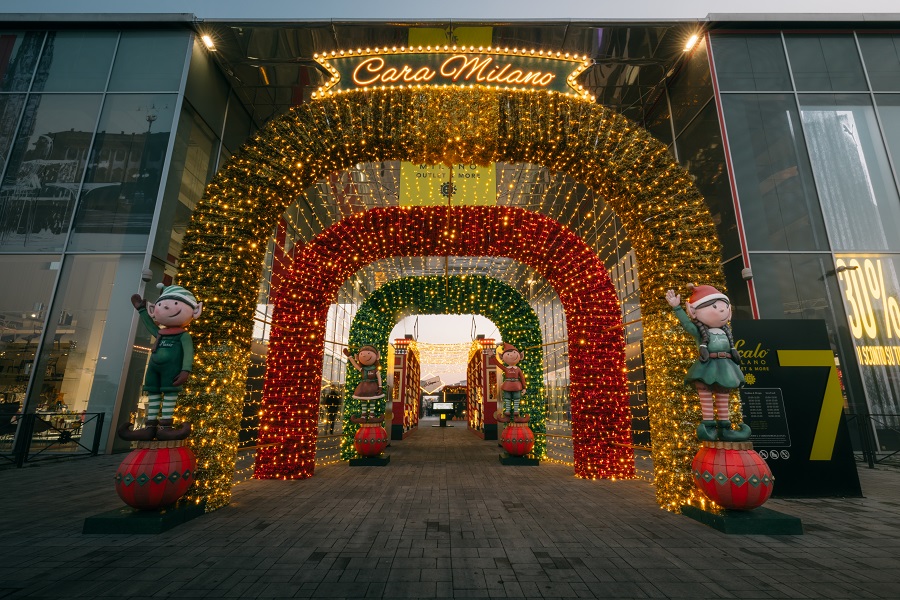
(176, 292)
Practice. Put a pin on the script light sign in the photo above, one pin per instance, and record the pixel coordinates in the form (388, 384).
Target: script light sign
(453, 66)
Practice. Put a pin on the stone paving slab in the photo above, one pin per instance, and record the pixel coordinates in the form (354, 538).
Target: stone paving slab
(444, 520)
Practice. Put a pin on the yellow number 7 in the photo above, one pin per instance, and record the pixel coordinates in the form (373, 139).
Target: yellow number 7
(832, 403)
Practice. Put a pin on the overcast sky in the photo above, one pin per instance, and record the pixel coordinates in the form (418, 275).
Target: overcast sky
(454, 9)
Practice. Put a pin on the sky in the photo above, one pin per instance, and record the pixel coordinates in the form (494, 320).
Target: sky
(456, 9)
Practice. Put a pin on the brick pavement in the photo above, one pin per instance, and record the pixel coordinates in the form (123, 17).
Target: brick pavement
(443, 520)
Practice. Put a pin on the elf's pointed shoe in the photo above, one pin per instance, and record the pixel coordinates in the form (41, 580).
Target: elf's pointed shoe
(727, 434)
(146, 433)
(707, 432)
(167, 432)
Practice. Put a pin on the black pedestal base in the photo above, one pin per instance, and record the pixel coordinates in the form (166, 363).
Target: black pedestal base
(370, 461)
(131, 520)
(518, 461)
(759, 521)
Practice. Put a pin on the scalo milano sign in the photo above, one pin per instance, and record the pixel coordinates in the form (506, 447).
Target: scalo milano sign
(449, 65)
(793, 404)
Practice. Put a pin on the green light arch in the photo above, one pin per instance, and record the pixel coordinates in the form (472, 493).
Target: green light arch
(455, 295)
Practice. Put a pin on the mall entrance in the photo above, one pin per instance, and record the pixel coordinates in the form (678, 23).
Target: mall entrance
(614, 182)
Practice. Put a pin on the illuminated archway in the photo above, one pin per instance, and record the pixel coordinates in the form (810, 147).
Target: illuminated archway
(667, 222)
(473, 294)
(601, 426)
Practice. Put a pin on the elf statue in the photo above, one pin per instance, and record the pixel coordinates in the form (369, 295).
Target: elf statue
(369, 391)
(170, 361)
(716, 372)
(512, 385)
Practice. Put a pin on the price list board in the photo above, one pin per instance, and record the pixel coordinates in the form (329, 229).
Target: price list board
(793, 404)
(764, 413)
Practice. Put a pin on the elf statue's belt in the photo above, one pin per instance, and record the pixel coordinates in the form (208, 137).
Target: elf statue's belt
(720, 354)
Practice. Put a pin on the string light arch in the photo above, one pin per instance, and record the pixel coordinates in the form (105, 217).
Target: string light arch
(668, 224)
(455, 295)
(598, 389)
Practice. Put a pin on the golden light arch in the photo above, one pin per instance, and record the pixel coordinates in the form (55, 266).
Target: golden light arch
(667, 221)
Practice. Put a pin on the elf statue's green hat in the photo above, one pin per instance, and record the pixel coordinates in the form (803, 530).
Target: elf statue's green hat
(176, 292)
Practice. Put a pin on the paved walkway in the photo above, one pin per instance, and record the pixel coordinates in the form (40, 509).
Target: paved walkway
(443, 520)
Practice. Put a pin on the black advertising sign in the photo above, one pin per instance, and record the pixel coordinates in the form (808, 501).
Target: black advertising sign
(793, 403)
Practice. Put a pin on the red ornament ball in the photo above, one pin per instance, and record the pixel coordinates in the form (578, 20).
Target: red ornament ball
(732, 475)
(517, 439)
(154, 478)
(370, 440)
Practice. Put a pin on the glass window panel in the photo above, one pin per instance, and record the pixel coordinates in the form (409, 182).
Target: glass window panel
(856, 188)
(692, 89)
(889, 112)
(738, 292)
(18, 55)
(206, 88)
(825, 62)
(700, 152)
(192, 166)
(84, 350)
(10, 111)
(149, 61)
(237, 126)
(45, 169)
(23, 310)
(659, 123)
(881, 53)
(750, 63)
(119, 194)
(803, 286)
(774, 180)
(870, 286)
(75, 61)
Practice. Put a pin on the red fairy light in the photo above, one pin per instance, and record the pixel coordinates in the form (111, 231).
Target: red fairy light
(601, 420)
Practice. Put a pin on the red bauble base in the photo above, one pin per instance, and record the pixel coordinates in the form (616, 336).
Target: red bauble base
(732, 475)
(153, 478)
(370, 440)
(517, 439)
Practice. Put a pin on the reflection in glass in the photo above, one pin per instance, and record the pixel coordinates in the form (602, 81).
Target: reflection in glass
(750, 63)
(700, 152)
(889, 112)
(870, 285)
(44, 172)
(803, 286)
(772, 173)
(18, 55)
(692, 89)
(75, 61)
(192, 166)
(857, 190)
(23, 311)
(119, 194)
(825, 62)
(237, 126)
(149, 61)
(738, 291)
(881, 53)
(85, 346)
(10, 111)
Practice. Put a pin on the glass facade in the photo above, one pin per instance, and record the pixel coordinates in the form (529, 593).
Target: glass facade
(813, 132)
(85, 124)
(108, 139)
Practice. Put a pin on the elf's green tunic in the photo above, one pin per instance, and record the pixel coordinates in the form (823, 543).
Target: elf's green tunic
(172, 354)
(716, 371)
